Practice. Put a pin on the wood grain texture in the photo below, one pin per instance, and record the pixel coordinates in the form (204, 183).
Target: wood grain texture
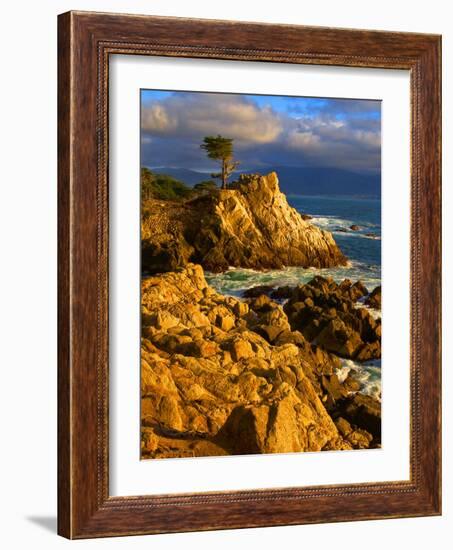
(85, 42)
(64, 390)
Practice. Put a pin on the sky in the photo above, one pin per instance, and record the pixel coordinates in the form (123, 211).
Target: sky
(267, 131)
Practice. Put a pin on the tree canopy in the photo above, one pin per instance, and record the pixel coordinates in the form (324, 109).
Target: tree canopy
(221, 149)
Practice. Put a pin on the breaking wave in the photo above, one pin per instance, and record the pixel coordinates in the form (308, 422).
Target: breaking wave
(368, 374)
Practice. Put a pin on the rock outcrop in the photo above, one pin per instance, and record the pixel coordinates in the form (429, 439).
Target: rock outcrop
(226, 376)
(328, 315)
(375, 298)
(250, 225)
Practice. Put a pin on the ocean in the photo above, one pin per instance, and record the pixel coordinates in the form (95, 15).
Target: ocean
(361, 247)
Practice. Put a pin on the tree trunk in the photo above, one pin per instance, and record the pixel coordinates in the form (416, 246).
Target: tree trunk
(224, 183)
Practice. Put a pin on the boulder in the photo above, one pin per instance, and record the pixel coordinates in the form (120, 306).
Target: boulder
(368, 351)
(240, 349)
(162, 320)
(327, 314)
(365, 412)
(241, 308)
(284, 426)
(225, 322)
(270, 332)
(282, 292)
(358, 438)
(261, 303)
(340, 339)
(357, 290)
(288, 336)
(333, 389)
(343, 426)
(169, 414)
(374, 300)
(256, 291)
(244, 432)
(199, 348)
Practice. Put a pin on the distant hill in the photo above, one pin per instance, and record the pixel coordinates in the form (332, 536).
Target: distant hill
(327, 181)
(301, 180)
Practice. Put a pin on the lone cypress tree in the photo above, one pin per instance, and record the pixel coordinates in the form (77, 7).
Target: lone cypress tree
(221, 149)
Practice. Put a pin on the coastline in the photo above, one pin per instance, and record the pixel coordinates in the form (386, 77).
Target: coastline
(253, 356)
(218, 371)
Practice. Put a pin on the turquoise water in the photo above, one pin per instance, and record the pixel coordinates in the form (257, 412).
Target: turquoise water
(362, 248)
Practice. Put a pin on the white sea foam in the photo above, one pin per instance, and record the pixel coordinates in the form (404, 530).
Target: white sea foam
(368, 374)
(340, 226)
(375, 313)
(235, 281)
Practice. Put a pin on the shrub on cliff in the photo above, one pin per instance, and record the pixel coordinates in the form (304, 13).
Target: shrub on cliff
(163, 187)
(205, 186)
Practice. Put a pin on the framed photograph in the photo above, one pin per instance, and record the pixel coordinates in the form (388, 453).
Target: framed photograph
(249, 275)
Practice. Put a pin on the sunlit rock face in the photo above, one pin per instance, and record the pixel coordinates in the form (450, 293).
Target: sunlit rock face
(249, 225)
(223, 376)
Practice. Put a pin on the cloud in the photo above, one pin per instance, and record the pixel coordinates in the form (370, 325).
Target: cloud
(335, 133)
(197, 115)
(305, 140)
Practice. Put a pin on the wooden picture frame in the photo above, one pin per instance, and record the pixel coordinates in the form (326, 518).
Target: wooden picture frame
(85, 41)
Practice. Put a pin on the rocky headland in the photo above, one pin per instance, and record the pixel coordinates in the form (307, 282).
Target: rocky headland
(249, 225)
(222, 375)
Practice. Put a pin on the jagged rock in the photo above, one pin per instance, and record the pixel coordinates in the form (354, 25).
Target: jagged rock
(250, 384)
(357, 290)
(167, 446)
(250, 225)
(340, 339)
(360, 439)
(328, 315)
(169, 413)
(351, 385)
(369, 351)
(245, 430)
(295, 423)
(343, 426)
(364, 411)
(209, 391)
(357, 437)
(282, 292)
(333, 389)
(261, 303)
(199, 348)
(241, 309)
(240, 349)
(225, 322)
(270, 332)
(374, 299)
(162, 320)
(290, 337)
(258, 290)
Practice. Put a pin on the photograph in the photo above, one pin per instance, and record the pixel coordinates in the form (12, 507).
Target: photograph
(260, 274)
